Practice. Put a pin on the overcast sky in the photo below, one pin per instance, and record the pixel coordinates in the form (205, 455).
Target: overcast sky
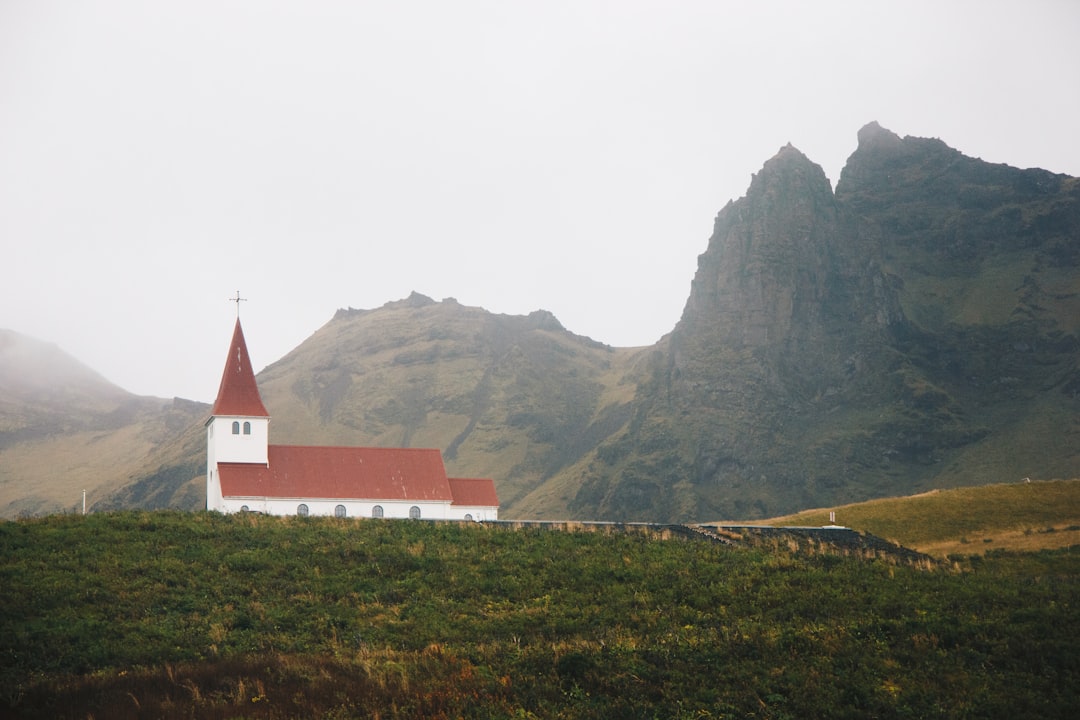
(156, 157)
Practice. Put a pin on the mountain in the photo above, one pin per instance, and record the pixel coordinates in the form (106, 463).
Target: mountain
(915, 329)
(65, 429)
(516, 398)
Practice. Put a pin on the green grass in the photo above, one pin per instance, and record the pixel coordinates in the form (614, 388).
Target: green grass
(1017, 516)
(174, 615)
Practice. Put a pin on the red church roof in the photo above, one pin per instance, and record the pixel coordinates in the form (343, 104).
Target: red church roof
(361, 473)
(474, 491)
(238, 393)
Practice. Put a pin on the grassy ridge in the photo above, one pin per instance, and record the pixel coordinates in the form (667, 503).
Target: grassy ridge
(1018, 516)
(180, 615)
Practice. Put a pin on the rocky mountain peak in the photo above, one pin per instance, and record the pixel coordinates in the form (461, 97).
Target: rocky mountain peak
(874, 137)
(883, 161)
(770, 257)
(415, 300)
(790, 171)
(544, 320)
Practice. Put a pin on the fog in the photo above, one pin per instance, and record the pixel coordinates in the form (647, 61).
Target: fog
(157, 157)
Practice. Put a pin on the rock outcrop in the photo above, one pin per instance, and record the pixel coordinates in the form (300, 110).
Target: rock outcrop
(916, 329)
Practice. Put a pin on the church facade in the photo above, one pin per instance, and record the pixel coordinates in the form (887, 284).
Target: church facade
(244, 472)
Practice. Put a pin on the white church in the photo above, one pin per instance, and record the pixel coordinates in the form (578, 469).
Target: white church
(244, 472)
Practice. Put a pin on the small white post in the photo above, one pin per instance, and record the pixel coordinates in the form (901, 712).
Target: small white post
(832, 517)
(83, 502)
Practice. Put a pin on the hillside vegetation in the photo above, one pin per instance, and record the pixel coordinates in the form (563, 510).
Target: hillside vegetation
(177, 615)
(1017, 516)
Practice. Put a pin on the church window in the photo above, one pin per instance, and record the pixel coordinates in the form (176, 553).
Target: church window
(236, 427)
(377, 511)
(244, 508)
(302, 510)
(414, 512)
(339, 511)
(468, 517)
(247, 428)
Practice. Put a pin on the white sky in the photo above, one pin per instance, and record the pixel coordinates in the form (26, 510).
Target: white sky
(157, 156)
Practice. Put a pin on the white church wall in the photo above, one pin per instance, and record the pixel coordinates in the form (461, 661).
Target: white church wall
(225, 445)
(478, 513)
(214, 501)
(329, 508)
(357, 508)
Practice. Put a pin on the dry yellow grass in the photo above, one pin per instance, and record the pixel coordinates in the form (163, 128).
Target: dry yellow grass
(1024, 516)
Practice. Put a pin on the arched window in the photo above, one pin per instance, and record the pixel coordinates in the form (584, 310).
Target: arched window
(339, 511)
(245, 508)
(302, 510)
(414, 513)
(236, 427)
(468, 517)
(247, 428)
(377, 511)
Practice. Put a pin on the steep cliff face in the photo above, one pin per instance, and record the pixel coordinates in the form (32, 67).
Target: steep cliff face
(988, 258)
(787, 292)
(789, 325)
(916, 329)
(790, 321)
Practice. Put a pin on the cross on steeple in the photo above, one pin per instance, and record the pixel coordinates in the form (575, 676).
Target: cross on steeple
(237, 300)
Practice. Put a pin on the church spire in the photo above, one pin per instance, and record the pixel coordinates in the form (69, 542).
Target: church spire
(238, 393)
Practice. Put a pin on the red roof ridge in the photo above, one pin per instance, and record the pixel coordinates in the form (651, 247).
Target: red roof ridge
(355, 447)
(319, 471)
(238, 393)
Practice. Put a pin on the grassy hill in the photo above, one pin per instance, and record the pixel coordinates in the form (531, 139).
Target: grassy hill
(515, 398)
(177, 615)
(1019, 516)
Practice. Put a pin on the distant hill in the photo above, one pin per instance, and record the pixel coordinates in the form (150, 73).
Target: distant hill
(43, 389)
(918, 328)
(65, 429)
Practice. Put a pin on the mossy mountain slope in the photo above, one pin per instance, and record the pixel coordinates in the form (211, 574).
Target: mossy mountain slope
(916, 329)
(516, 398)
(988, 258)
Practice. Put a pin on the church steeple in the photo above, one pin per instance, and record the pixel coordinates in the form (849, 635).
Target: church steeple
(238, 430)
(238, 393)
